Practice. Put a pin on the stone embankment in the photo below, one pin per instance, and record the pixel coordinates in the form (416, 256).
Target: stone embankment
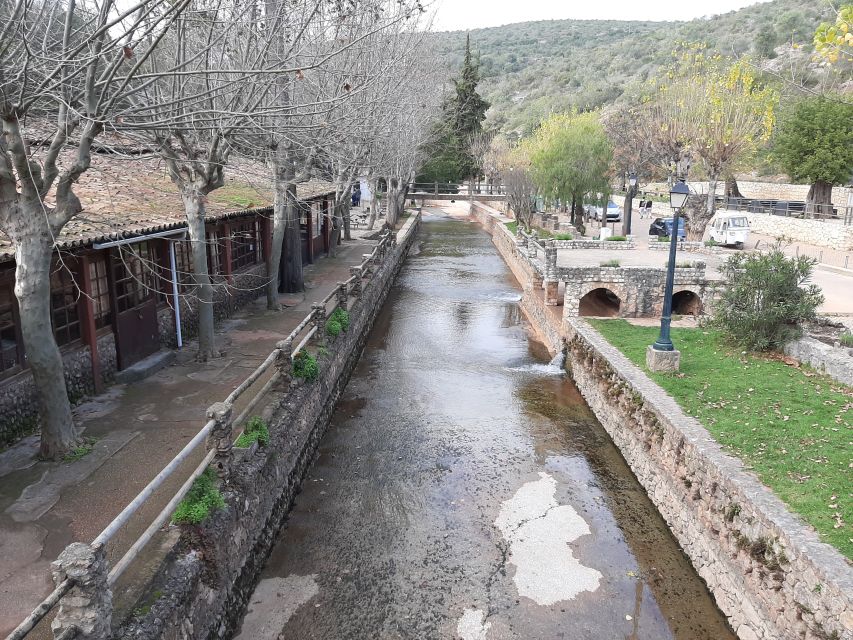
(832, 234)
(202, 589)
(768, 571)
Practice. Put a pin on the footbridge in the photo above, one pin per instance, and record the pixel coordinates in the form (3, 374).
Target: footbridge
(450, 191)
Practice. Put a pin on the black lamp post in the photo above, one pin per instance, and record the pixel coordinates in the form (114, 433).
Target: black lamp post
(629, 202)
(677, 199)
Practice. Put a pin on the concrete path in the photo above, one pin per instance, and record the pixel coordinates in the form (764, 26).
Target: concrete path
(138, 429)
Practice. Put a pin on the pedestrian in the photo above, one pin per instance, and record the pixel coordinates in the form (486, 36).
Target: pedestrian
(642, 207)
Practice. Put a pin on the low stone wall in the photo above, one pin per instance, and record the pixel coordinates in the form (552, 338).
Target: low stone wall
(685, 245)
(823, 233)
(768, 571)
(19, 401)
(204, 586)
(616, 245)
(761, 190)
(836, 362)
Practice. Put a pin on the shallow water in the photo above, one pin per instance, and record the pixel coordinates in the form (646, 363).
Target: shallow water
(465, 490)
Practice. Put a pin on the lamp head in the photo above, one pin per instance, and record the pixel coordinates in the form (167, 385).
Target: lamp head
(678, 194)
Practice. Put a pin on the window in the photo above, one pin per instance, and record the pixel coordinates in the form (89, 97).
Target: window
(100, 291)
(184, 261)
(64, 297)
(316, 217)
(133, 276)
(213, 259)
(244, 244)
(10, 346)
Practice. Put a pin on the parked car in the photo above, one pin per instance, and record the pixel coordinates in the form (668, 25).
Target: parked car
(730, 229)
(663, 227)
(614, 212)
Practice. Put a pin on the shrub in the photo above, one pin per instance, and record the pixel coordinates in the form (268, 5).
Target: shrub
(611, 263)
(710, 243)
(341, 316)
(563, 236)
(202, 499)
(305, 366)
(846, 339)
(256, 431)
(765, 298)
(617, 239)
(333, 327)
(512, 226)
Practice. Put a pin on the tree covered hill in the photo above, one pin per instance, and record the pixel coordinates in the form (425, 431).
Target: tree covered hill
(534, 68)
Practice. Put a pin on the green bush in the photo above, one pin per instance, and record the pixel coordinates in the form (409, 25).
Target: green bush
(341, 316)
(611, 263)
(256, 431)
(202, 499)
(663, 238)
(765, 298)
(563, 236)
(617, 238)
(305, 366)
(846, 339)
(512, 226)
(333, 327)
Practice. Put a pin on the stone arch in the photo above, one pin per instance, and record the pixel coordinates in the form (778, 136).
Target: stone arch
(686, 302)
(600, 301)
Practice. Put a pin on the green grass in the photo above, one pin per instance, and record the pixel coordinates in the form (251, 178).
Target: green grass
(512, 226)
(846, 339)
(617, 239)
(611, 263)
(791, 425)
(201, 500)
(256, 431)
(81, 450)
(563, 236)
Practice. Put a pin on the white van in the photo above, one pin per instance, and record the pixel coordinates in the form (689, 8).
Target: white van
(730, 228)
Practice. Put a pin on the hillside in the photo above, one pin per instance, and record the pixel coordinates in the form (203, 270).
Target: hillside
(533, 68)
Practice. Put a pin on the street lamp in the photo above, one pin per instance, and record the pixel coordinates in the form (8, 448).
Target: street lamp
(629, 202)
(662, 355)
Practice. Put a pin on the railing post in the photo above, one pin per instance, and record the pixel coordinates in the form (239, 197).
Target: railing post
(343, 295)
(284, 362)
(221, 437)
(88, 607)
(368, 258)
(550, 283)
(356, 286)
(319, 322)
(531, 245)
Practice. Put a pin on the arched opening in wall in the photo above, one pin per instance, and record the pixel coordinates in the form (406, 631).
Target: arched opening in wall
(686, 303)
(600, 302)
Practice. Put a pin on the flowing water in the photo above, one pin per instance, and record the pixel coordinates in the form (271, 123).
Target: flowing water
(465, 490)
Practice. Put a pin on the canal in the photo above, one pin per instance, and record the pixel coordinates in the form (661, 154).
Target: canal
(465, 490)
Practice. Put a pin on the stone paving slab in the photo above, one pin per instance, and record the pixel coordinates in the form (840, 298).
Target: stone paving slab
(157, 416)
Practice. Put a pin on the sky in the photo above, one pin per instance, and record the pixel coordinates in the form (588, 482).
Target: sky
(472, 14)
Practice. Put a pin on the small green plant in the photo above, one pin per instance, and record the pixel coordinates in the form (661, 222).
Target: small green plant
(617, 239)
(512, 226)
(663, 238)
(202, 499)
(611, 263)
(341, 316)
(322, 352)
(563, 236)
(333, 327)
(305, 366)
(846, 339)
(256, 431)
(80, 450)
(711, 243)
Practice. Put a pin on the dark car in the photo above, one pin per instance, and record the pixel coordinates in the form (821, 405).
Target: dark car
(663, 227)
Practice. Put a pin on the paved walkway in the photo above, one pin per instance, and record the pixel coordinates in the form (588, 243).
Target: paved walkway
(139, 428)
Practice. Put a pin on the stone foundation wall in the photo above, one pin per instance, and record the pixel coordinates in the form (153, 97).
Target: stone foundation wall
(684, 245)
(768, 571)
(203, 589)
(761, 190)
(823, 233)
(18, 399)
(616, 245)
(836, 362)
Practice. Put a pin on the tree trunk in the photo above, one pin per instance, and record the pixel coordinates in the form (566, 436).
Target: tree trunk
(711, 198)
(628, 210)
(33, 255)
(337, 225)
(346, 213)
(194, 210)
(278, 226)
(819, 200)
(695, 219)
(732, 189)
(292, 278)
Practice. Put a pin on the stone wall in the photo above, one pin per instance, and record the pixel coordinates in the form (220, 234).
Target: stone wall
(684, 245)
(836, 362)
(19, 402)
(823, 233)
(761, 190)
(615, 245)
(203, 588)
(768, 571)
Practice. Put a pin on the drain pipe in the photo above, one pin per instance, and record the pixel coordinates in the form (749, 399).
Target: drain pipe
(176, 301)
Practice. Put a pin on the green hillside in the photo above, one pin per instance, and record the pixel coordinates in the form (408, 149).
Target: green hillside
(533, 68)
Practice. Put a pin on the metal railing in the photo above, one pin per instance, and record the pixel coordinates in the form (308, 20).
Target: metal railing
(460, 188)
(789, 209)
(248, 394)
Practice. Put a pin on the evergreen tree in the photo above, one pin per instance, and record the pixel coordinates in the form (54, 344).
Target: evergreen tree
(450, 157)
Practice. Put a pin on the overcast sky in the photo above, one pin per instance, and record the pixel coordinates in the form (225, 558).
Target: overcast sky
(472, 14)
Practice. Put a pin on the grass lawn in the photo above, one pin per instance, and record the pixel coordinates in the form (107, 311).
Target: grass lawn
(790, 425)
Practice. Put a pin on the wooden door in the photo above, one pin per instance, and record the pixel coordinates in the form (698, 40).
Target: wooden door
(134, 284)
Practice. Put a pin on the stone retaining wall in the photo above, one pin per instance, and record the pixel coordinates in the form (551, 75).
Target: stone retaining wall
(761, 190)
(617, 245)
(836, 362)
(823, 233)
(685, 245)
(204, 586)
(768, 571)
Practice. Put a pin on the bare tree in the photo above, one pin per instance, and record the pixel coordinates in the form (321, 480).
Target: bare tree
(68, 66)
